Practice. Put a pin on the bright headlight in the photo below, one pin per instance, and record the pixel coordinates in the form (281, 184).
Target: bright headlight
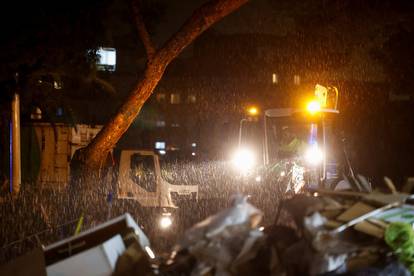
(314, 155)
(165, 222)
(244, 160)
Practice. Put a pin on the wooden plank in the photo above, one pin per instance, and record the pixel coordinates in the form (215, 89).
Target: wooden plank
(357, 210)
(370, 229)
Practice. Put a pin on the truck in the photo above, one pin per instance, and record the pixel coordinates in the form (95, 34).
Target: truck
(136, 177)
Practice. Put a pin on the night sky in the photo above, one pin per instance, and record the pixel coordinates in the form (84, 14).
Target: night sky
(359, 25)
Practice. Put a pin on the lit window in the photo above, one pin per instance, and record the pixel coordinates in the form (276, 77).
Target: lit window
(175, 98)
(160, 123)
(194, 145)
(191, 99)
(106, 59)
(296, 79)
(57, 84)
(159, 145)
(175, 125)
(275, 78)
(160, 97)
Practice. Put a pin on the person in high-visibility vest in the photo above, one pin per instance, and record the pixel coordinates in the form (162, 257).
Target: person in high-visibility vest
(291, 145)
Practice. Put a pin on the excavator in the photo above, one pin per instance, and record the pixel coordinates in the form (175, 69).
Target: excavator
(297, 147)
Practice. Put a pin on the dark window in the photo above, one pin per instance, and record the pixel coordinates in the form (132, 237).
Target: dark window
(143, 171)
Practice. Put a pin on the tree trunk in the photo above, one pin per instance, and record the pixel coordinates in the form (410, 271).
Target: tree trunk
(98, 149)
(94, 155)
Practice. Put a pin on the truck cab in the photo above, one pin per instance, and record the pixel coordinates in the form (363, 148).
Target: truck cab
(301, 146)
(140, 179)
(142, 189)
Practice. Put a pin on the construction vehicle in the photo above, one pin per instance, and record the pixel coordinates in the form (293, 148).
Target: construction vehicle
(296, 145)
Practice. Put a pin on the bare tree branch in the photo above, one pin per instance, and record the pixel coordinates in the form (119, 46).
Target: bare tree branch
(142, 30)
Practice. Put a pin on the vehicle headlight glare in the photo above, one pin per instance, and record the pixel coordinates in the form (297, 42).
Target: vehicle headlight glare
(244, 160)
(314, 155)
(165, 222)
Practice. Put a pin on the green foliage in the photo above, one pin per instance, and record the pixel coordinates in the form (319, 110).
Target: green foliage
(400, 237)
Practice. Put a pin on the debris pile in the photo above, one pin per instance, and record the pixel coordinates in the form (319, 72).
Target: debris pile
(320, 233)
(343, 232)
(221, 244)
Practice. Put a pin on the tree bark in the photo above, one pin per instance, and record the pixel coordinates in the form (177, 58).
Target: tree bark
(96, 152)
